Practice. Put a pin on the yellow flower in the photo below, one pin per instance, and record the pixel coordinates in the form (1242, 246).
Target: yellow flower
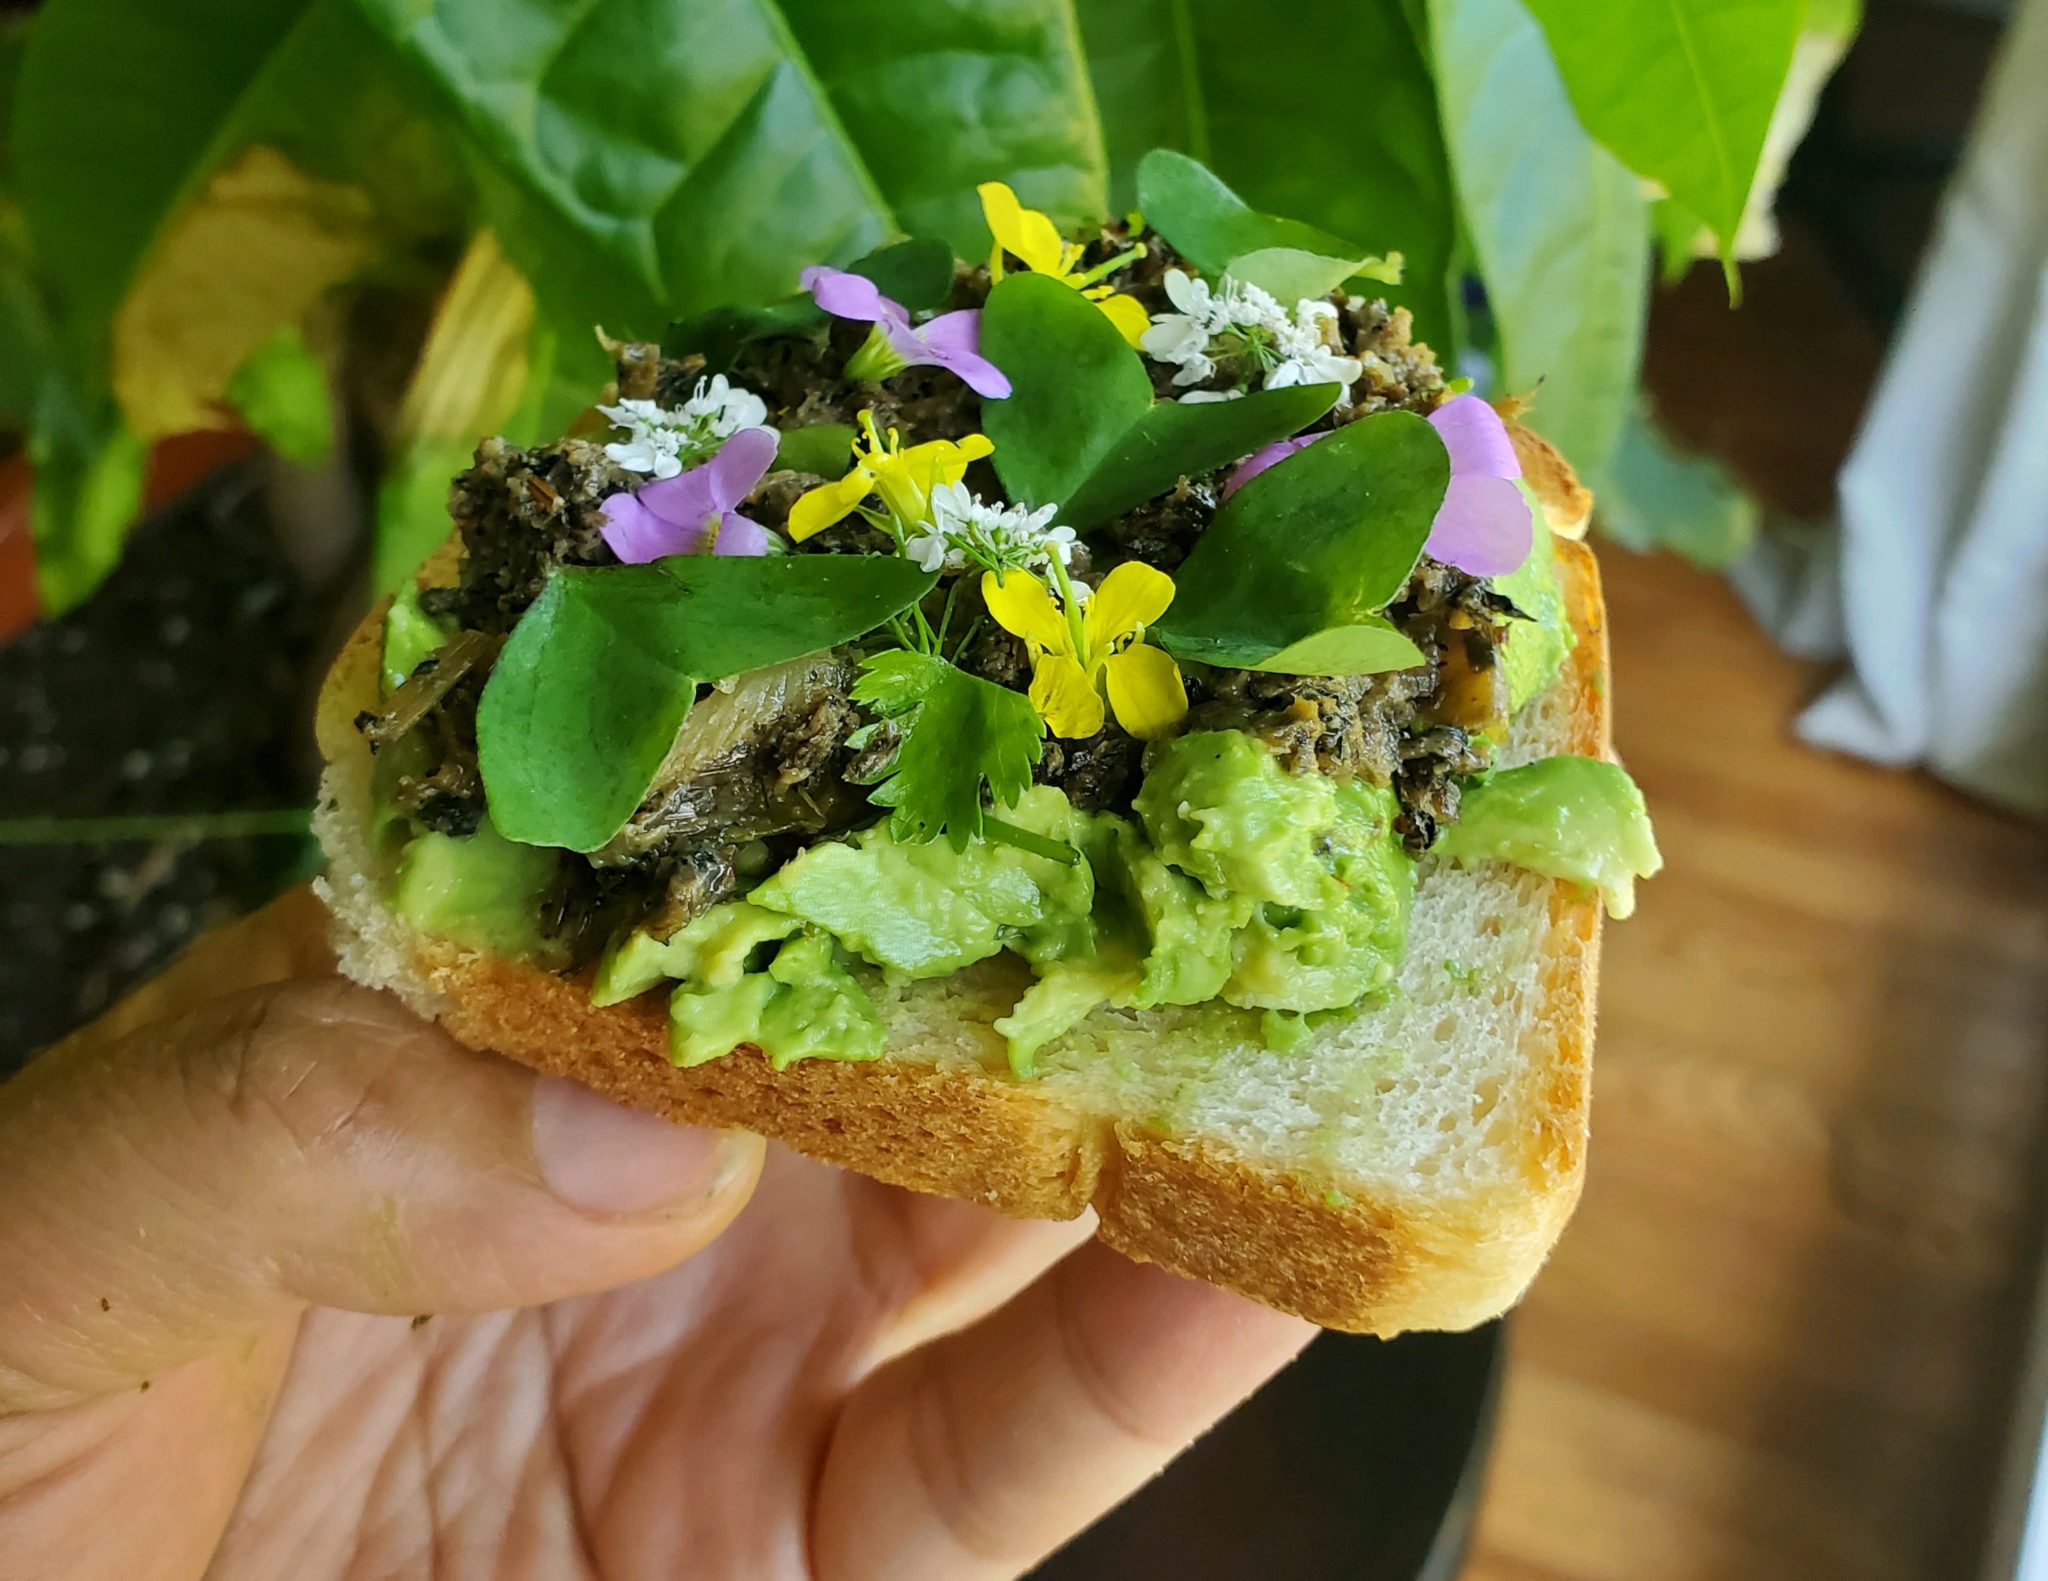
(1030, 237)
(1100, 648)
(904, 478)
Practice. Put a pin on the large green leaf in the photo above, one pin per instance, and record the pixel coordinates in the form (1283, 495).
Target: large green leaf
(13, 47)
(125, 109)
(598, 676)
(341, 105)
(1682, 91)
(1299, 563)
(89, 475)
(1323, 112)
(24, 331)
(643, 158)
(1080, 428)
(1142, 59)
(1824, 38)
(1555, 222)
(24, 323)
(646, 159)
(942, 96)
(124, 106)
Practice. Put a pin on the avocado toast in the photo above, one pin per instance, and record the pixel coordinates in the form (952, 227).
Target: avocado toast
(1070, 731)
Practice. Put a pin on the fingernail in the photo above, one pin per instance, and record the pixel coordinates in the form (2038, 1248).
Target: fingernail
(601, 1157)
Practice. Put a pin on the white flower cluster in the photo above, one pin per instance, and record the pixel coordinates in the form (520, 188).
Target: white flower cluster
(664, 440)
(1236, 319)
(966, 530)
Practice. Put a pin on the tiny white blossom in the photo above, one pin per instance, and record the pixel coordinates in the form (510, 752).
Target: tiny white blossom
(1234, 318)
(931, 551)
(966, 529)
(652, 444)
(1207, 313)
(664, 440)
(724, 408)
(1311, 352)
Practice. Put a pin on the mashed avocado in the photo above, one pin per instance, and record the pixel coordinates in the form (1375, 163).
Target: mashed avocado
(1239, 882)
(481, 890)
(1565, 817)
(1327, 957)
(714, 950)
(1535, 649)
(1219, 807)
(806, 1005)
(927, 910)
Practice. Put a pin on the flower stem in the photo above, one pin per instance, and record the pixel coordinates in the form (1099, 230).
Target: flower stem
(1070, 607)
(997, 832)
(1110, 266)
(928, 641)
(967, 637)
(883, 522)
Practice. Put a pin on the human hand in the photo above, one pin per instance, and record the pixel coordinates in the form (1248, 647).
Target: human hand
(222, 1220)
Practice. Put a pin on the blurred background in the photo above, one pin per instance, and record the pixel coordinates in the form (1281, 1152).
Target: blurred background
(268, 268)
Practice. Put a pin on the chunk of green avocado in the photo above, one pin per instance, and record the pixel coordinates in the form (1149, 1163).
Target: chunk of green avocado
(804, 1006)
(712, 950)
(1328, 957)
(1564, 817)
(928, 910)
(1218, 806)
(480, 890)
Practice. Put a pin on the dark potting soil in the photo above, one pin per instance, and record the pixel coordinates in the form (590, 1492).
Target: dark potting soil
(180, 689)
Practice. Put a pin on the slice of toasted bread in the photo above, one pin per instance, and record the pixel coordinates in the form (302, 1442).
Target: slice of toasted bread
(1409, 1169)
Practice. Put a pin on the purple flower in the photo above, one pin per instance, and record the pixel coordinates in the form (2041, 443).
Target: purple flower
(951, 341)
(1484, 526)
(677, 515)
(1255, 463)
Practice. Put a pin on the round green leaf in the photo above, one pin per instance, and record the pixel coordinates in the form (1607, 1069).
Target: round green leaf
(598, 676)
(1299, 562)
(1080, 428)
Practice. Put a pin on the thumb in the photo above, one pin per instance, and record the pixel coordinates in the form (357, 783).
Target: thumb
(199, 1178)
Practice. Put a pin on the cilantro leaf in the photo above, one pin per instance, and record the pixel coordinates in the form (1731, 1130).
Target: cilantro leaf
(959, 732)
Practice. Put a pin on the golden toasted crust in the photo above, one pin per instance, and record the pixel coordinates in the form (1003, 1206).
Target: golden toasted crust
(1567, 502)
(959, 1129)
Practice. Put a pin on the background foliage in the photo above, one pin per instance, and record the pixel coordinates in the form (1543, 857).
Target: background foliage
(196, 200)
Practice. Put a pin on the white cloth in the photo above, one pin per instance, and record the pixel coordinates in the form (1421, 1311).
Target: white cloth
(1938, 586)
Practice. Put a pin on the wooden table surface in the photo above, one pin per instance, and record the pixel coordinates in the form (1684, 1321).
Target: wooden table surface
(1778, 1338)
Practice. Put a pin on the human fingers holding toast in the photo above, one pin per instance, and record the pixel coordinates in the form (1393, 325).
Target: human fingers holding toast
(298, 1285)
